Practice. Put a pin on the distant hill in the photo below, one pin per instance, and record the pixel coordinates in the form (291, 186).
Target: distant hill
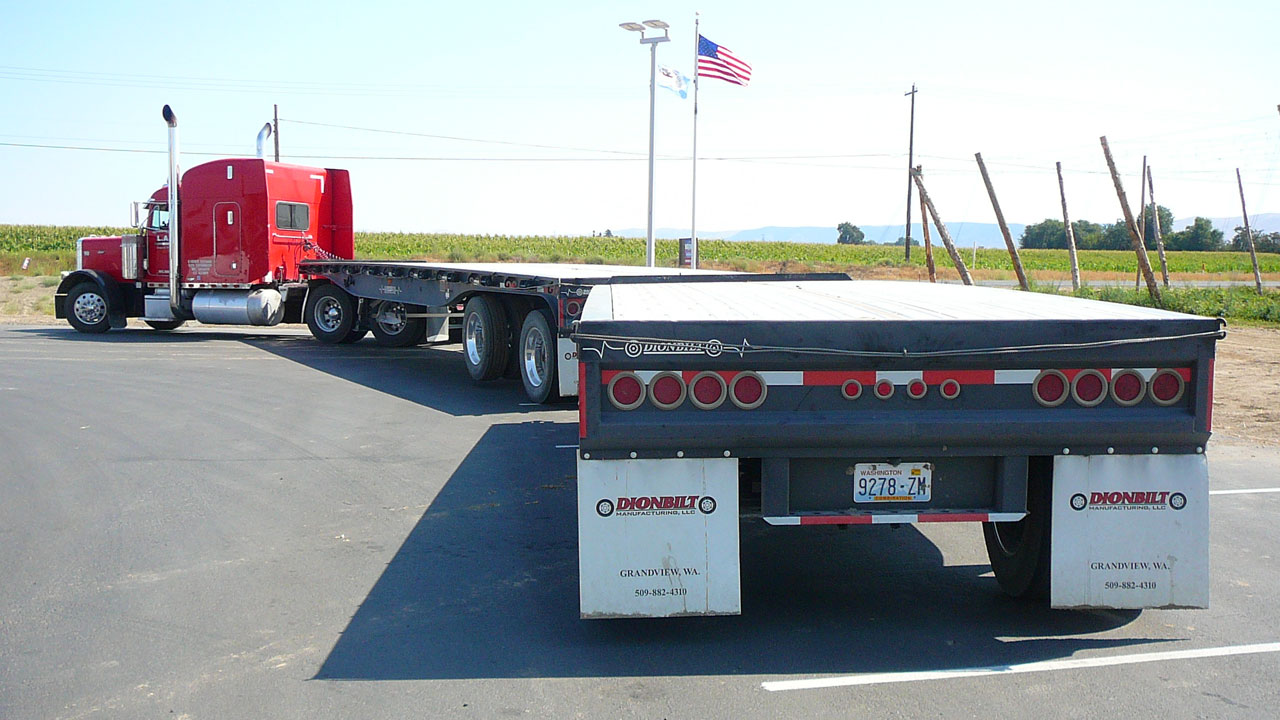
(1262, 222)
(987, 235)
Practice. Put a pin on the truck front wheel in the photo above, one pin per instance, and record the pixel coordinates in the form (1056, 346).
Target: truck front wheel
(537, 358)
(485, 336)
(393, 328)
(330, 314)
(87, 308)
(1019, 552)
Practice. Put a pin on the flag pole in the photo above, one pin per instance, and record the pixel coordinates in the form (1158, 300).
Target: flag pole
(693, 221)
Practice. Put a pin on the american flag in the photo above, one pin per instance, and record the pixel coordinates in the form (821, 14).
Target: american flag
(716, 61)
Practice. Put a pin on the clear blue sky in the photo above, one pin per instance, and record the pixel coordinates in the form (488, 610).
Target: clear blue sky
(819, 137)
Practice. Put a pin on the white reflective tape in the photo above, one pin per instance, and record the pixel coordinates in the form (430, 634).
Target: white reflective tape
(788, 520)
(783, 377)
(1016, 377)
(1246, 491)
(1005, 517)
(892, 519)
(646, 375)
(899, 377)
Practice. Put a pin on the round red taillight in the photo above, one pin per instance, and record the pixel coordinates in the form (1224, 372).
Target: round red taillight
(851, 389)
(1167, 387)
(748, 390)
(1089, 388)
(707, 390)
(884, 389)
(916, 389)
(1050, 388)
(626, 391)
(949, 389)
(1127, 388)
(667, 390)
(573, 307)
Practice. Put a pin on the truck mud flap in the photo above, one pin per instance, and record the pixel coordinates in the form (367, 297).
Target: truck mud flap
(1130, 531)
(658, 538)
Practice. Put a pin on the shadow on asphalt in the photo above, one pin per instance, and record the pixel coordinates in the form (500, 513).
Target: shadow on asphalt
(485, 586)
(431, 376)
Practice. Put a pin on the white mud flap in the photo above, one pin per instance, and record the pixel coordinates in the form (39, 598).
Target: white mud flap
(1130, 531)
(567, 366)
(658, 538)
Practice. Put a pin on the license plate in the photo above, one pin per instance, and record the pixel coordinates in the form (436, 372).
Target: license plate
(885, 483)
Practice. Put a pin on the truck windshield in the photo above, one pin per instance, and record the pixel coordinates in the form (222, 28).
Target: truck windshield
(157, 217)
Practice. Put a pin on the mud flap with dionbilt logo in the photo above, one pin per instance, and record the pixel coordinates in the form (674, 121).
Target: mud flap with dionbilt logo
(1130, 531)
(658, 538)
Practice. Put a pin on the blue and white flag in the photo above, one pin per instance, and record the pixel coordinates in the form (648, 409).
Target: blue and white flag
(674, 80)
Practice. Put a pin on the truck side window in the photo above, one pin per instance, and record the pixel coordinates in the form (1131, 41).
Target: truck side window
(159, 219)
(293, 216)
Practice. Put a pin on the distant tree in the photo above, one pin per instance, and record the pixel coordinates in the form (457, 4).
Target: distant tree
(850, 234)
(903, 241)
(608, 233)
(1044, 235)
(1149, 226)
(1200, 236)
(1088, 234)
(1115, 237)
(1262, 242)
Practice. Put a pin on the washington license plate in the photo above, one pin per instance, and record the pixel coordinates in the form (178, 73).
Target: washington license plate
(885, 483)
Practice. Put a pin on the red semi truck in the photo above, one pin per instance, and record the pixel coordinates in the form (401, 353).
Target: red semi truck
(224, 250)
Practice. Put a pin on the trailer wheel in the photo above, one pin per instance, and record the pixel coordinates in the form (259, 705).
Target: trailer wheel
(393, 328)
(485, 338)
(356, 335)
(165, 324)
(330, 314)
(537, 357)
(1019, 551)
(88, 308)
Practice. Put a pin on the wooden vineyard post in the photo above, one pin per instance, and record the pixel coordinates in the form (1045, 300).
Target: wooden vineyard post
(942, 229)
(1144, 265)
(1004, 227)
(1071, 235)
(1253, 253)
(1155, 213)
(928, 245)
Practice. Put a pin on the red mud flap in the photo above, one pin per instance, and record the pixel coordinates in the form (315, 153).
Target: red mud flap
(658, 538)
(1130, 531)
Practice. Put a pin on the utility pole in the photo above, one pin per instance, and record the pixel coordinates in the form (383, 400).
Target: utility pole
(911, 163)
(275, 128)
(1071, 236)
(1155, 212)
(1144, 265)
(1248, 233)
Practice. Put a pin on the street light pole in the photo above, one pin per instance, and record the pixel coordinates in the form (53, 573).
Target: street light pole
(652, 42)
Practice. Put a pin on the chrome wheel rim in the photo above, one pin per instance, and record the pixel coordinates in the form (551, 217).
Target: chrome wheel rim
(535, 357)
(474, 340)
(329, 314)
(392, 318)
(90, 308)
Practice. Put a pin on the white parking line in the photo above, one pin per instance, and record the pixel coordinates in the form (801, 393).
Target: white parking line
(1043, 666)
(1245, 491)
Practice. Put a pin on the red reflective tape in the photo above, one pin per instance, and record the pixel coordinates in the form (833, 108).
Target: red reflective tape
(835, 519)
(605, 375)
(954, 517)
(582, 400)
(1186, 373)
(839, 377)
(964, 377)
(1208, 413)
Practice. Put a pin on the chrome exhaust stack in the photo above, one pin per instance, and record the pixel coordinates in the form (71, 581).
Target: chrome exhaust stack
(175, 218)
(263, 134)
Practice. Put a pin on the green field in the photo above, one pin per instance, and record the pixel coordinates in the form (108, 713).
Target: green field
(53, 248)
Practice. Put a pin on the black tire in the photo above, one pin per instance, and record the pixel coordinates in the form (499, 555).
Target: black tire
(165, 324)
(486, 338)
(88, 309)
(356, 335)
(1019, 552)
(536, 356)
(392, 329)
(330, 313)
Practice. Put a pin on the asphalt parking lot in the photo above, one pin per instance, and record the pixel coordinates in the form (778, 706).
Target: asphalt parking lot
(228, 523)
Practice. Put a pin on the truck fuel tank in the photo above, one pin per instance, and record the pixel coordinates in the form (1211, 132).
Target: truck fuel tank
(263, 306)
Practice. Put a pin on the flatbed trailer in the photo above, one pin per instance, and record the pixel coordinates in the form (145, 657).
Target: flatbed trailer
(1073, 430)
(511, 318)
